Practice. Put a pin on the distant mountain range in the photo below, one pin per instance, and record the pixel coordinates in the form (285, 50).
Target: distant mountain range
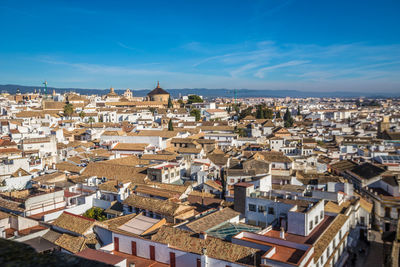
(208, 93)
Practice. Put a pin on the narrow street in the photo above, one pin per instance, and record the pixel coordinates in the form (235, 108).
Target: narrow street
(373, 255)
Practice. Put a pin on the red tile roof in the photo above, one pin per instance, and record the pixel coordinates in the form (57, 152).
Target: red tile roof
(100, 256)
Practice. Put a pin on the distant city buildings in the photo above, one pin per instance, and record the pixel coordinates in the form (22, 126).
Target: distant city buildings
(161, 181)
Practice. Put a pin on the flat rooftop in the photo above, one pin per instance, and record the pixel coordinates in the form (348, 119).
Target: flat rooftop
(310, 239)
(282, 253)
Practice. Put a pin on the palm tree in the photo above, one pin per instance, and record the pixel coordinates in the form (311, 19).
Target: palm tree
(82, 114)
(68, 109)
(91, 120)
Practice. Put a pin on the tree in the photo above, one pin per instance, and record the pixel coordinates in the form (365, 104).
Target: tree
(195, 113)
(194, 99)
(298, 110)
(245, 113)
(236, 108)
(170, 102)
(241, 132)
(170, 126)
(82, 114)
(278, 115)
(95, 213)
(288, 118)
(268, 113)
(287, 115)
(259, 112)
(68, 109)
(152, 110)
(91, 120)
(229, 109)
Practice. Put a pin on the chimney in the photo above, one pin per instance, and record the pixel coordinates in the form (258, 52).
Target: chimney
(203, 235)
(282, 233)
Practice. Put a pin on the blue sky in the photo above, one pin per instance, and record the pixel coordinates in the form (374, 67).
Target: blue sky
(309, 45)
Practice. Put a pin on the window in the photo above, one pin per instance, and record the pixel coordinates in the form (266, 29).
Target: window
(261, 208)
(340, 234)
(321, 215)
(116, 243)
(252, 207)
(316, 220)
(387, 212)
(311, 225)
(362, 218)
(271, 210)
(327, 252)
(172, 261)
(198, 263)
(152, 253)
(252, 222)
(133, 247)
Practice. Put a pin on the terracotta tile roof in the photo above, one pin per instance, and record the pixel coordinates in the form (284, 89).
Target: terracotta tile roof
(117, 222)
(115, 172)
(67, 166)
(9, 150)
(20, 171)
(268, 156)
(189, 150)
(333, 207)
(218, 128)
(153, 191)
(97, 255)
(170, 187)
(74, 223)
(110, 186)
(325, 239)
(9, 205)
(130, 146)
(164, 207)
(365, 204)
(343, 165)
(71, 243)
(162, 133)
(218, 159)
(128, 161)
(4, 143)
(216, 248)
(4, 215)
(214, 185)
(164, 157)
(211, 220)
(366, 171)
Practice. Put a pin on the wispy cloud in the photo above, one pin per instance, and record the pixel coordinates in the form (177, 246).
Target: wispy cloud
(262, 65)
(125, 46)
(261, 72)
